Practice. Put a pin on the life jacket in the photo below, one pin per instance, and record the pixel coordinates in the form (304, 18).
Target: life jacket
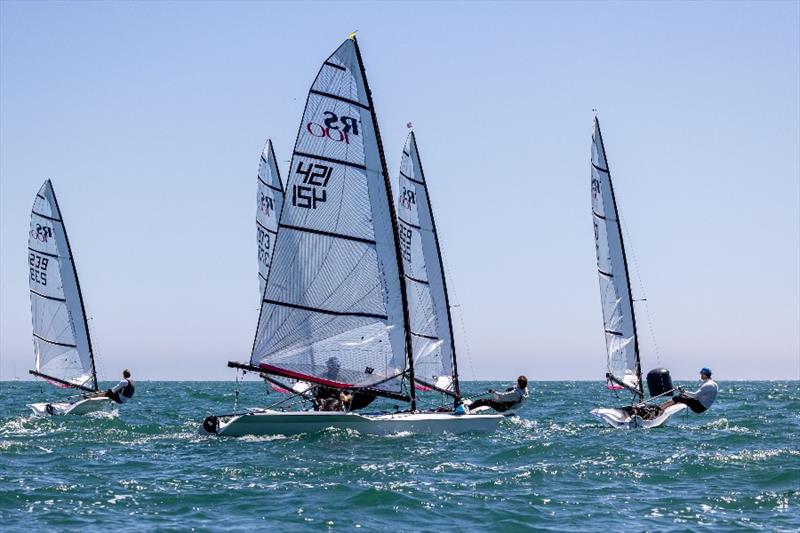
(128, 389)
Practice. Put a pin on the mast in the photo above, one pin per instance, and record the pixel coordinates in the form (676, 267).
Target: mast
(607, 170)
(393, 216)
(456, 385)
(78, 284)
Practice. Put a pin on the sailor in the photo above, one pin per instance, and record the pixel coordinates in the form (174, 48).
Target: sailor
(335, 399)
(511, 398)
(122, 391)
(701, 399)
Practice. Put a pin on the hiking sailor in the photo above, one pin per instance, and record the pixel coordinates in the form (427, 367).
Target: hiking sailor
(512, 398)
(122, 391)
(701, 399)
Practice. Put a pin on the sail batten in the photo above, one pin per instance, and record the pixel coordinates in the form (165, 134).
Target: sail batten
(624, 367)
(332, 308)
(429, 310)
(61, 339)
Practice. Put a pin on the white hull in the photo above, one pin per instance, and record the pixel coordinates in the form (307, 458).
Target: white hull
(294, 423)
(81, 407)
(619, 419)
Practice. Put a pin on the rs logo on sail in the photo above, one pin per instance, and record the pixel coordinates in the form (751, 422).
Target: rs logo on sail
(408, 198)
(42, 233)
(334, 127)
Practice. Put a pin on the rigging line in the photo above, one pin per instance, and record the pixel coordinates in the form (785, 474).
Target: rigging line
(452, 287)
(641, 287)
(98, 368)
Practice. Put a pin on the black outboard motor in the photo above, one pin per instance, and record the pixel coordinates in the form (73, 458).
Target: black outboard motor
(659, 381)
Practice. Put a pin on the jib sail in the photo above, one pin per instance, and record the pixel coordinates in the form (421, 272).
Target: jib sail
(624, 370)
(61, 339)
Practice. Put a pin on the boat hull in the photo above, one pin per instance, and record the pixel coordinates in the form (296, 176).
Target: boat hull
(619, 419)
(81, 407)
(295, 423)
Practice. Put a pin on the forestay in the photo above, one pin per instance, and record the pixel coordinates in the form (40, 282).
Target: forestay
(333, 309)
(426, 291)
(61, 339)
(618, 314)
(269, 202)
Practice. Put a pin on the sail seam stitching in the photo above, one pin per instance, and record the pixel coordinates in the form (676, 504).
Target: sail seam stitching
(274, 188)
(54, 342)
(328, 234)
(43, 253)
(425, 336)
(325, 311)
(341, 98)
(417, 280)
(331, 160)
(47, 217)
(409, 178)
(408, 223)
(48, 297)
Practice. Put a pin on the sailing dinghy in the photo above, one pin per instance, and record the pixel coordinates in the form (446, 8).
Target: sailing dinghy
(61, 340)
(622, 344)
(335, 312)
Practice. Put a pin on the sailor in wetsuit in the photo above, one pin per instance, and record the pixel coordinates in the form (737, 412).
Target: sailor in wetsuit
(512, 398)
(122, 391)
(701, 399)
(336, 399)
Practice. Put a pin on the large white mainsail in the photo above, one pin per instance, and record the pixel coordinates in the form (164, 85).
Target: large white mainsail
(269, 204)
(333, 310)
(426, 290)
(61, 338)
(624, 369)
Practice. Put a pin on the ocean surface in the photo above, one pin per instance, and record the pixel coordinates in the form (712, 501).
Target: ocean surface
(143, 467)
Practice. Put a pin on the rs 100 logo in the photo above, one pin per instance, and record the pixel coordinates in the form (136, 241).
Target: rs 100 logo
(42, 233)
(334, 127)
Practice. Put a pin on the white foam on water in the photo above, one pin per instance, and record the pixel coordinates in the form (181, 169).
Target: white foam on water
(262, 438)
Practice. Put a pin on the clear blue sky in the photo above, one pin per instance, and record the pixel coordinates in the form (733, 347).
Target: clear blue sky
(150, 117)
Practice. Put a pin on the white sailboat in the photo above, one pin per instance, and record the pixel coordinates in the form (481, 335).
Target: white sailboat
(335, 312)
(622, 344)
(61, 339)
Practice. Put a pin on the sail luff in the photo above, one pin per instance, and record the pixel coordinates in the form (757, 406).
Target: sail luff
(393, 217)
(607, 171)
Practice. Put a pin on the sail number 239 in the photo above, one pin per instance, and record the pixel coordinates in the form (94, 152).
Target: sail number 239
(38, 268)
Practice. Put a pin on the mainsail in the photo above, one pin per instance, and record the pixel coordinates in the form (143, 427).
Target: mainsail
(269, 204)
(333, 309)
(624, 369)
(61, 338)
(428, 306)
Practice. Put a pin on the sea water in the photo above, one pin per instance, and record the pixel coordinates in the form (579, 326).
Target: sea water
(144, 467)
